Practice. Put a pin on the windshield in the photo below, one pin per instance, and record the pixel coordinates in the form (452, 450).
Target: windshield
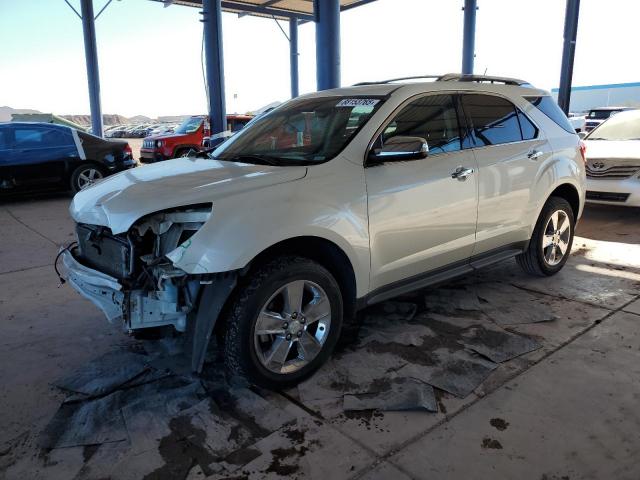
(302, 131)
(618, 127)
(601, 114)
(190, 125)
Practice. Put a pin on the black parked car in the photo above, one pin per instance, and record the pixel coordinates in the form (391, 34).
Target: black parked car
(35, 155)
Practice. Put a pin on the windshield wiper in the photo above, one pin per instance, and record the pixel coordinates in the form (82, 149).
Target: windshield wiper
(253, 158)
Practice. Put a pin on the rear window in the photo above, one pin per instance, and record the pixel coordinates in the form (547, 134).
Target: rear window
(550, 108)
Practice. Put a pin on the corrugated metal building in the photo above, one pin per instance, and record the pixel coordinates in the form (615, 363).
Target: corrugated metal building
(613, 94)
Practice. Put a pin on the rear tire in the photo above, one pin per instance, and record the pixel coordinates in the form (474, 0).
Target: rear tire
(552, 234)
(297, 339)
(85, 175)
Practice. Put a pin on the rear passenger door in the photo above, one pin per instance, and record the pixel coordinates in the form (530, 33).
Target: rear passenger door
(509, 150)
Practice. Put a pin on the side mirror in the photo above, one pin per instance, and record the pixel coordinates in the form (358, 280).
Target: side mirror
(400, 148)
(582, 135)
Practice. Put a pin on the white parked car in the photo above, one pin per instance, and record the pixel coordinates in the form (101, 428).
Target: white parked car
(613, 161)
(331, 202)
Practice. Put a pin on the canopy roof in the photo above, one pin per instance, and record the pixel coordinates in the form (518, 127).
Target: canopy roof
(282, 9)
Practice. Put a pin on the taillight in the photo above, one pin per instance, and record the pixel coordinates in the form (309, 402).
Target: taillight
(127, 150)
(583, 151)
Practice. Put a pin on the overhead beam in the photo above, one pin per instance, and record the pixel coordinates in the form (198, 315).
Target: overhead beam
(469, 36)
(91, 58)
(293, 56)
(327, 43)
(571, 17)
(214, 61)
(263, 10)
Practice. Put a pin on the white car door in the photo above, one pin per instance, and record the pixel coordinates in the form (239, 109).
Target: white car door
(420, 217)
(509, 151)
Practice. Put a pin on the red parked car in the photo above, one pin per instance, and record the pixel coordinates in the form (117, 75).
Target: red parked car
(188, 137)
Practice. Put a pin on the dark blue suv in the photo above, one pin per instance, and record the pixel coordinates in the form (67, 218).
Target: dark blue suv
(37, 155)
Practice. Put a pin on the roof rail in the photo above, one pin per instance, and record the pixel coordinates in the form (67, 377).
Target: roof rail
(455, 77)
(460, 77)
(415, 77)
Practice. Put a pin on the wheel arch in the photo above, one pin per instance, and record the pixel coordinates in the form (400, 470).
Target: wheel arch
(323, 251)
(571, 195)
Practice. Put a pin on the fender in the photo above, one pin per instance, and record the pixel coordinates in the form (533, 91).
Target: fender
(563, 171)
(320, 207)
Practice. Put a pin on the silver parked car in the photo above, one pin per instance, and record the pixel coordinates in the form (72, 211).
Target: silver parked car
(329, 203)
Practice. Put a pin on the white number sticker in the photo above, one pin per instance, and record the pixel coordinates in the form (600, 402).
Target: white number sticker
(357, 102)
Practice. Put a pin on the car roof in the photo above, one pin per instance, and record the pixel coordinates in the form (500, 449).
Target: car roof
(384, 89)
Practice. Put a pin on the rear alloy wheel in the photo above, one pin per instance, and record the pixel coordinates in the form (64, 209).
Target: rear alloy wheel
(85, 176)
(557, 235)
(283, 323)
(550, 244)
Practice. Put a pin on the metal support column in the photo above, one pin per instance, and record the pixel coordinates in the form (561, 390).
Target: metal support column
(212, 21)
(568, 52)
(91, 55)
(469, 38)
(293, 53)
(327, 14)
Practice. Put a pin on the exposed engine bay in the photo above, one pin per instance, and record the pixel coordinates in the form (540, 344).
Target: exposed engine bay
(155, 293)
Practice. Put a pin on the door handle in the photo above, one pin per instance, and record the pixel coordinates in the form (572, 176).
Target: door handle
(534, 154)
(461, 173)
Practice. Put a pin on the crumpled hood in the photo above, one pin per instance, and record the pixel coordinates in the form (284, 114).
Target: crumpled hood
(613, 149)
(118, 201)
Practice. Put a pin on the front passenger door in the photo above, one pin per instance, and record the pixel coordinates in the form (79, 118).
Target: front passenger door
(420, 217)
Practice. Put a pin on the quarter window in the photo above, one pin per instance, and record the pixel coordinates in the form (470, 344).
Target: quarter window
(529, 130)
(493, 120)
(433, 118)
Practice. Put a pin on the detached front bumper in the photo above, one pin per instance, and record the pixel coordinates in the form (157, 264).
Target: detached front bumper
(103, 290)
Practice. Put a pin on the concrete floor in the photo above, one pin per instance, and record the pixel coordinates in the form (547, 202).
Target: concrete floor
(567, 410)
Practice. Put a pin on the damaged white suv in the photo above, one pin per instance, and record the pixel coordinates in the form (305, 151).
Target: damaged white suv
(332, 202)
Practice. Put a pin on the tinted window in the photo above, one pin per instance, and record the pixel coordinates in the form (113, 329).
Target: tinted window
(550, 108)
(529, 130)
(601, 114)
(493, 120)
(55, 137)
(39, 137)
(28, 137)
(432, 118)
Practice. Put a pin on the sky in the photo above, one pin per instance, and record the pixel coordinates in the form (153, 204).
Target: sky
(150, 56)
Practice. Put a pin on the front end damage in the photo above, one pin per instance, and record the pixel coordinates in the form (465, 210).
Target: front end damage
(131, 279)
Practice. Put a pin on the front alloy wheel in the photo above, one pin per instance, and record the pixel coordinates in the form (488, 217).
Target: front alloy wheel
(283, 322)
(292, 327)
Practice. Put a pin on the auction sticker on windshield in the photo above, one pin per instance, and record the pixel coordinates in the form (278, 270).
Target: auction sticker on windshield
(358, 102)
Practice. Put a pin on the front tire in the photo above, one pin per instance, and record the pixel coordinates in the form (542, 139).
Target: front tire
(552, 238)
(283, 324)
